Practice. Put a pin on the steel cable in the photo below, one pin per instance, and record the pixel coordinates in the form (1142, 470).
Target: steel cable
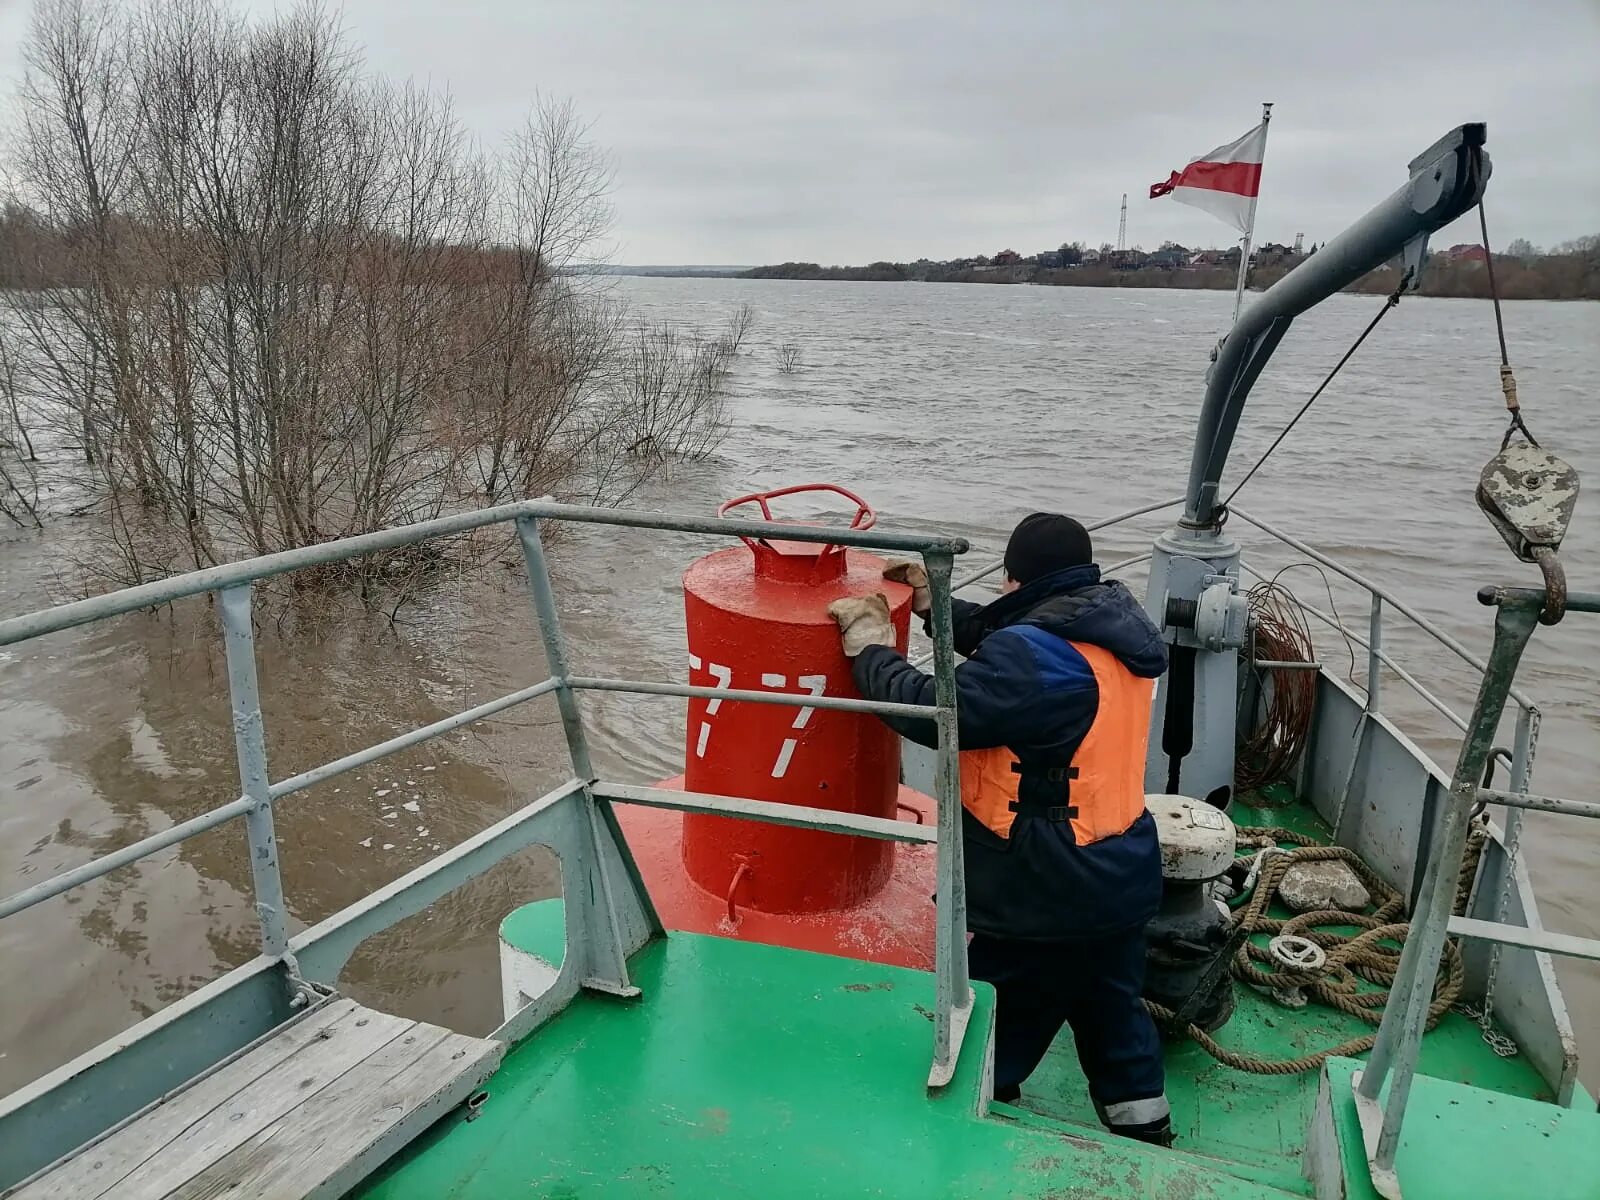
(1279, 633)
(1392, 301)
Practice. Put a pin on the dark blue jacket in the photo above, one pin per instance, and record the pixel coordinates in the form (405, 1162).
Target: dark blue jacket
(1026, 687)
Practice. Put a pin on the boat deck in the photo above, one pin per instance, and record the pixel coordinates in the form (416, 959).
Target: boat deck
(309, 1111)
(749, 1069)
(1524, 1149)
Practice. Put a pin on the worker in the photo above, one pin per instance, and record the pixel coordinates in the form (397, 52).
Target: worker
(1062, 865)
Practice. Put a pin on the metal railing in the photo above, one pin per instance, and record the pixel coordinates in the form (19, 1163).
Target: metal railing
(1394, 1058)
(232, 585)
(1519, 760)
(1399, 1042)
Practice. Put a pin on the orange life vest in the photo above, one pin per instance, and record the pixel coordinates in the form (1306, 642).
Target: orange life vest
(1107, 793)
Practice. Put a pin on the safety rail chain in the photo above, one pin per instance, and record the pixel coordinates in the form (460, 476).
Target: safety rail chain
(232, 585)
(1399, 1041)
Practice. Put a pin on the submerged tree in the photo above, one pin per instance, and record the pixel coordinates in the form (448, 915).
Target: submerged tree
(302, 303)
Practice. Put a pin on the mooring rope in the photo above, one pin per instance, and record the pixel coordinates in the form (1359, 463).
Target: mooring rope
(1371, 955)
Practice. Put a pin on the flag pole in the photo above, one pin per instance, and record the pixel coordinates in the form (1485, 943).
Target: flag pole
(1250, 225)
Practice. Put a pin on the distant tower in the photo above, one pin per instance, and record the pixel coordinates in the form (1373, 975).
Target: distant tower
(1122, 226)
(1299, 243)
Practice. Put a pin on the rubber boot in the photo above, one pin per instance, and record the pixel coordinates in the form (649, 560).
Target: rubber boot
(1156, 1135)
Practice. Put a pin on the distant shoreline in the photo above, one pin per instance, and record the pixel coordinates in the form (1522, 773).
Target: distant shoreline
(1552, 277)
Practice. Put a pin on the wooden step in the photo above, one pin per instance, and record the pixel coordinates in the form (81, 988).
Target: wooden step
(311, 1110)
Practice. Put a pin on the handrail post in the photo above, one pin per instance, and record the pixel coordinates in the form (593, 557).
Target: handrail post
(1368, 711)
(1374, 645)
(1510, 839)
(1399, 1039)
(953, 1006)
(1522, 749)
(1521, 777)
(593, 921)
(555, 648)
(250, 745)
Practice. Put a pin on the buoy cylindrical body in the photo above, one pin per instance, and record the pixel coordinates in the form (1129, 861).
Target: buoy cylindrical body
(757, 620)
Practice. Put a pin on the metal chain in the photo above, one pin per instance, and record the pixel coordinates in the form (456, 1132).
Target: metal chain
(1492, 1037)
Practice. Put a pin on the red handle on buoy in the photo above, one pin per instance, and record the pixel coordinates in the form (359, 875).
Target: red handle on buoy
(865, 517)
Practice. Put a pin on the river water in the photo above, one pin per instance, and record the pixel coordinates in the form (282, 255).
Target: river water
(953, 407)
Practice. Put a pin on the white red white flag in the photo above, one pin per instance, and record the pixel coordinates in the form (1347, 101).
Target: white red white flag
(1224, 182)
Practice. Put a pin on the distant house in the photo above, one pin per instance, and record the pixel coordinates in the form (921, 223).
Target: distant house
(1169, 259)
(1272, 252)
(1007, 258)
(1466, 252)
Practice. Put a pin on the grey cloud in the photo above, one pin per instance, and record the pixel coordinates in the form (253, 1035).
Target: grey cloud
(842, 132)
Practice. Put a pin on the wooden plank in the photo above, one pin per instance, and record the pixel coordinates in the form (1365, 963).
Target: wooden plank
(101, 1165)
(267, 1099)
(433, 1095)
(336, 1138)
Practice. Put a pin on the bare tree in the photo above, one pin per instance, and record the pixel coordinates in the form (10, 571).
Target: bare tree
(738, 328)
(73, 153)
(305, 305)
(672, 393)
(551, 341)
(19, 479)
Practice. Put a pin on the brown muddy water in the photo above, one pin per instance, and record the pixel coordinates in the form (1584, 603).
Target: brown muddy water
(949, 407)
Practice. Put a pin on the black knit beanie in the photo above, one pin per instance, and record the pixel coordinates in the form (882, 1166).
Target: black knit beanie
(1044, 543)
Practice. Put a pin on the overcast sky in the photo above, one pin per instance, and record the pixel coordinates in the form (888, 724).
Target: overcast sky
(750, 131)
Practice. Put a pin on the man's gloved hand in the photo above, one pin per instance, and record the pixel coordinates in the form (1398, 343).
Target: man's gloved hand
(863, 621)
(915, 576)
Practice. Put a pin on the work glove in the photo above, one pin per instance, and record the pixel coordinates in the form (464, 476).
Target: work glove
(915, 576)
(863, 621)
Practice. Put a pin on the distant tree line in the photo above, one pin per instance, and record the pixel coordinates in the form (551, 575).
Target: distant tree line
(1570, 271)
(269, 299)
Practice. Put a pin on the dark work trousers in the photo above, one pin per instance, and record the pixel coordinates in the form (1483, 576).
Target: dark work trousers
(1094, 986)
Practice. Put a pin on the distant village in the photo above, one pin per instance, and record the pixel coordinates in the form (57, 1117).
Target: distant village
(1074, 264)
(1170, 256)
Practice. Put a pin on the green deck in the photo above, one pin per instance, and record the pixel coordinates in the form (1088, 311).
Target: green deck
(1523, 1149)
(748, 1069)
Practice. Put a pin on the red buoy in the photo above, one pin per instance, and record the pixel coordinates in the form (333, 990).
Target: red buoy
(757, 620)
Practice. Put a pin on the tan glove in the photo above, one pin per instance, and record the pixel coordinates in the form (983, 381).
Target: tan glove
(863, 621)
(915, 576)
